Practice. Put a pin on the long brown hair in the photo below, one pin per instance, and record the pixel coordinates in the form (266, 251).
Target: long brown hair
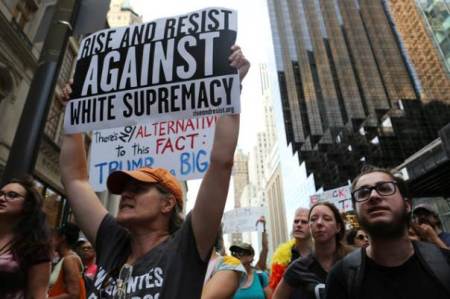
(341, 248)
(31, 232)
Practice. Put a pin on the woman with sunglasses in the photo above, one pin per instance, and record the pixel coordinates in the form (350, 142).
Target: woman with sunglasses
(256, 285)
(224, 274)
(305, 277)
(87, 254)
(24, 242)
(357, 238)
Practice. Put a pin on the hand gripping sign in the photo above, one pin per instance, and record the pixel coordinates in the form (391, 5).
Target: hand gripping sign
(172, 68)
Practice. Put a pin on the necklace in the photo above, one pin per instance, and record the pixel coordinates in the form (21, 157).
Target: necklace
(6, 247)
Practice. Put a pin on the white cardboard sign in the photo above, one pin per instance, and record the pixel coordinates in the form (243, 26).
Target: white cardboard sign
(242, 219)
(341, 197)
(181, 146)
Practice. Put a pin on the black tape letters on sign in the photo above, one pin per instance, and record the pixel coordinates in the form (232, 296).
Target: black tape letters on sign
(170, 68)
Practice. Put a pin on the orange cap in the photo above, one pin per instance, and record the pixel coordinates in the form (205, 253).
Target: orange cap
(117, 180)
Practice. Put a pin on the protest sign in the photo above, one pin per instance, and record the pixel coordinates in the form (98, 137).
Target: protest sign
(172, 68)
(182, 146)
(341, 197)
(242, 219)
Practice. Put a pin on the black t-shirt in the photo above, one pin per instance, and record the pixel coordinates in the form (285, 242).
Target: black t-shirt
(307, 277)
(407, 281)
(295, 254)
(172, 269)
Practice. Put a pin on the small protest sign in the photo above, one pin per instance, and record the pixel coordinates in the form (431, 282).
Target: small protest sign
(172, 68)
(341, 197)
(242, 219)
(181, 146)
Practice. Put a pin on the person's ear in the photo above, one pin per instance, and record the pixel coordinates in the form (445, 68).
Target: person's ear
(408, 205)
(168, 204)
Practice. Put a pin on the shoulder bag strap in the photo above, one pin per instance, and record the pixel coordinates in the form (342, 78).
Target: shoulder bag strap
(352, 265)
(433, 260)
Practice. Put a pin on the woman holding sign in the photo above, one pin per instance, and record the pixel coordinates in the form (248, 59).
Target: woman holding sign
(147, 251)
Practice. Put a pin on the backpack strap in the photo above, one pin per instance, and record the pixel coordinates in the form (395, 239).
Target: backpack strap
(259, 273)
(260, 278)
(353, 267)
(434, 261)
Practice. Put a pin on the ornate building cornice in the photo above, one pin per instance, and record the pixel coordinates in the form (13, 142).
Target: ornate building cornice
(18, 42)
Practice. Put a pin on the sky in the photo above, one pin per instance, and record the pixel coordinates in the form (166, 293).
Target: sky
(254, 37)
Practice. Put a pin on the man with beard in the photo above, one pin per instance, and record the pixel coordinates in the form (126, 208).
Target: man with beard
(392, 266)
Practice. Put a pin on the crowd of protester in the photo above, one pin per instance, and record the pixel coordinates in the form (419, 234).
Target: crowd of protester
(150, 250)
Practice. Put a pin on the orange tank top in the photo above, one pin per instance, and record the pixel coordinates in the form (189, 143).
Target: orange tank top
(59, 286)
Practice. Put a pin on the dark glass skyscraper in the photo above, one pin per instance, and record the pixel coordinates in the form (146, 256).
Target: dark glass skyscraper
(347, 92)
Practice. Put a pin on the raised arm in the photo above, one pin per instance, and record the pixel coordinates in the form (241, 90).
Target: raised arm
(208, 209)
(85, 204)
(261, 264)
(222, 285)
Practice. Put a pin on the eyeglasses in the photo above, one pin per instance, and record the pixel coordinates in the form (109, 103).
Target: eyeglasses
(382, 188)
(10, 195)
(361, 237)
(241, 253)
(122, 281)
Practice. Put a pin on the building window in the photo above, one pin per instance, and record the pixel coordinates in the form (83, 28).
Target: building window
(66, 67)
(53, 120)
(52, 207)
(6, 83)
(52, 204)
(23, 11)
(10, 4)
